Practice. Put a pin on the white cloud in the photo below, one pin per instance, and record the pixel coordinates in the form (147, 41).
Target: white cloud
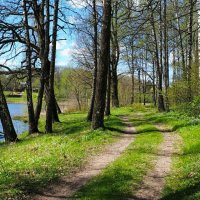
(77, 3)
(62, 44)
(72, 19)
(69, 52)
(82, 3)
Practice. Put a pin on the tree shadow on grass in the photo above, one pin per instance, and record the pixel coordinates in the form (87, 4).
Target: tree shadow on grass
(185, 193)
(109, 186)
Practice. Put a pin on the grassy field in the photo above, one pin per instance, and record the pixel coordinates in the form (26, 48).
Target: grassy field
(22, 99)
(183, 183)
(122, 178)
(39, 159)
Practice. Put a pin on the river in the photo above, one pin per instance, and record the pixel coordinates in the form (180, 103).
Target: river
(17, 109)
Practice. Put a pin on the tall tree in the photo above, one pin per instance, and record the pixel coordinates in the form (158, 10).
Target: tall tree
(115, 54)
(159, 70)
(190, 46)
(102, 69)
(95, 47)
(50, 97)
(32, 124)
(166, 56)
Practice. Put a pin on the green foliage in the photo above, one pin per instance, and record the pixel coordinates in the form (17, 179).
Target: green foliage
(191, 109)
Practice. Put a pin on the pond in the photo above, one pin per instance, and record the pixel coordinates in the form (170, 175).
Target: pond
(17, 109)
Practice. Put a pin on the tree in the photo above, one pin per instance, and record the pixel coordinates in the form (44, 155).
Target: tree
(51, 97)
(32, 124)
(102, 69)
(115, 53)
(8, 128)
(95, 47)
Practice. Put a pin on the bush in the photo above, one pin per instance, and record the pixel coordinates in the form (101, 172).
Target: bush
(191, 109)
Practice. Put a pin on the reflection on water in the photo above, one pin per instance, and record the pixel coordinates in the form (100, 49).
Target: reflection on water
(17, 110)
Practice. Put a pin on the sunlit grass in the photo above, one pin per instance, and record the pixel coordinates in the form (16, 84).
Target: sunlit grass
(122, 177)
(39, 159)
(183, 182)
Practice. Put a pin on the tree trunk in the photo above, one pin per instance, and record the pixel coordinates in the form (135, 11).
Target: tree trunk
(51, 97)
(44, 41)
(107, 110)
(103, 65)
(180, 32)
(132, 74)
(115, 56)
(139, 85)
(154, 85)
(32, 124)
(159, 74)
(95, 46)
(190, 45)
(8, 128)
(166, 58)
(115, 98)
(56, 109)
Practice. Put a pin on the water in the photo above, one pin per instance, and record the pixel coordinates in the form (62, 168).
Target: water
(17, 110)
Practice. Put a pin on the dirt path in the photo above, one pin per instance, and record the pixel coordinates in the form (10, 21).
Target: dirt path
(69, 185)
(154, 182)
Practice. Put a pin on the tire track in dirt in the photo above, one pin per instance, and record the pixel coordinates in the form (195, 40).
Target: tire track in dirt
(154, 182)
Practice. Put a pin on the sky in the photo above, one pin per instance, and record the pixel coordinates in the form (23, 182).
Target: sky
(66, 44)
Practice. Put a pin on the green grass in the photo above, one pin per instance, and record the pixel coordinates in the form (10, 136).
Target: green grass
(122, 177)
(22, 99)
(40, 159)
(184, 180)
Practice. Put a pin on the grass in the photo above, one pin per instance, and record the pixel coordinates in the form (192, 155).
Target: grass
(184, 180)
(37, 160)
(21, 99)
(122, 177)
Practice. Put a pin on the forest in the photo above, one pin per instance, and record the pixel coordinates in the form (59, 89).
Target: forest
(99, 99)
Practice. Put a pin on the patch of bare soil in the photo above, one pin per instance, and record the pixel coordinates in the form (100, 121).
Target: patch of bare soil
(154, 182)
(67, 186)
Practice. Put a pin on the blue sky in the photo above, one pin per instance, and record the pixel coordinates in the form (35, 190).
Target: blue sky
(66, 44)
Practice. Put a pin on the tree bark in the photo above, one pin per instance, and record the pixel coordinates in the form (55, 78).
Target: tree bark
(32, 124)
(95, 47)
(115, 56)
(107, 110)
(166, 58)
(190, 45)
(160, 99)
(51, 99)
(8, 128)
(44, 41)
(103, 65)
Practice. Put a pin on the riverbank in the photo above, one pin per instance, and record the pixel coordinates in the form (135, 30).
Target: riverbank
(39, 160)
(46, 157)
(21, 99)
